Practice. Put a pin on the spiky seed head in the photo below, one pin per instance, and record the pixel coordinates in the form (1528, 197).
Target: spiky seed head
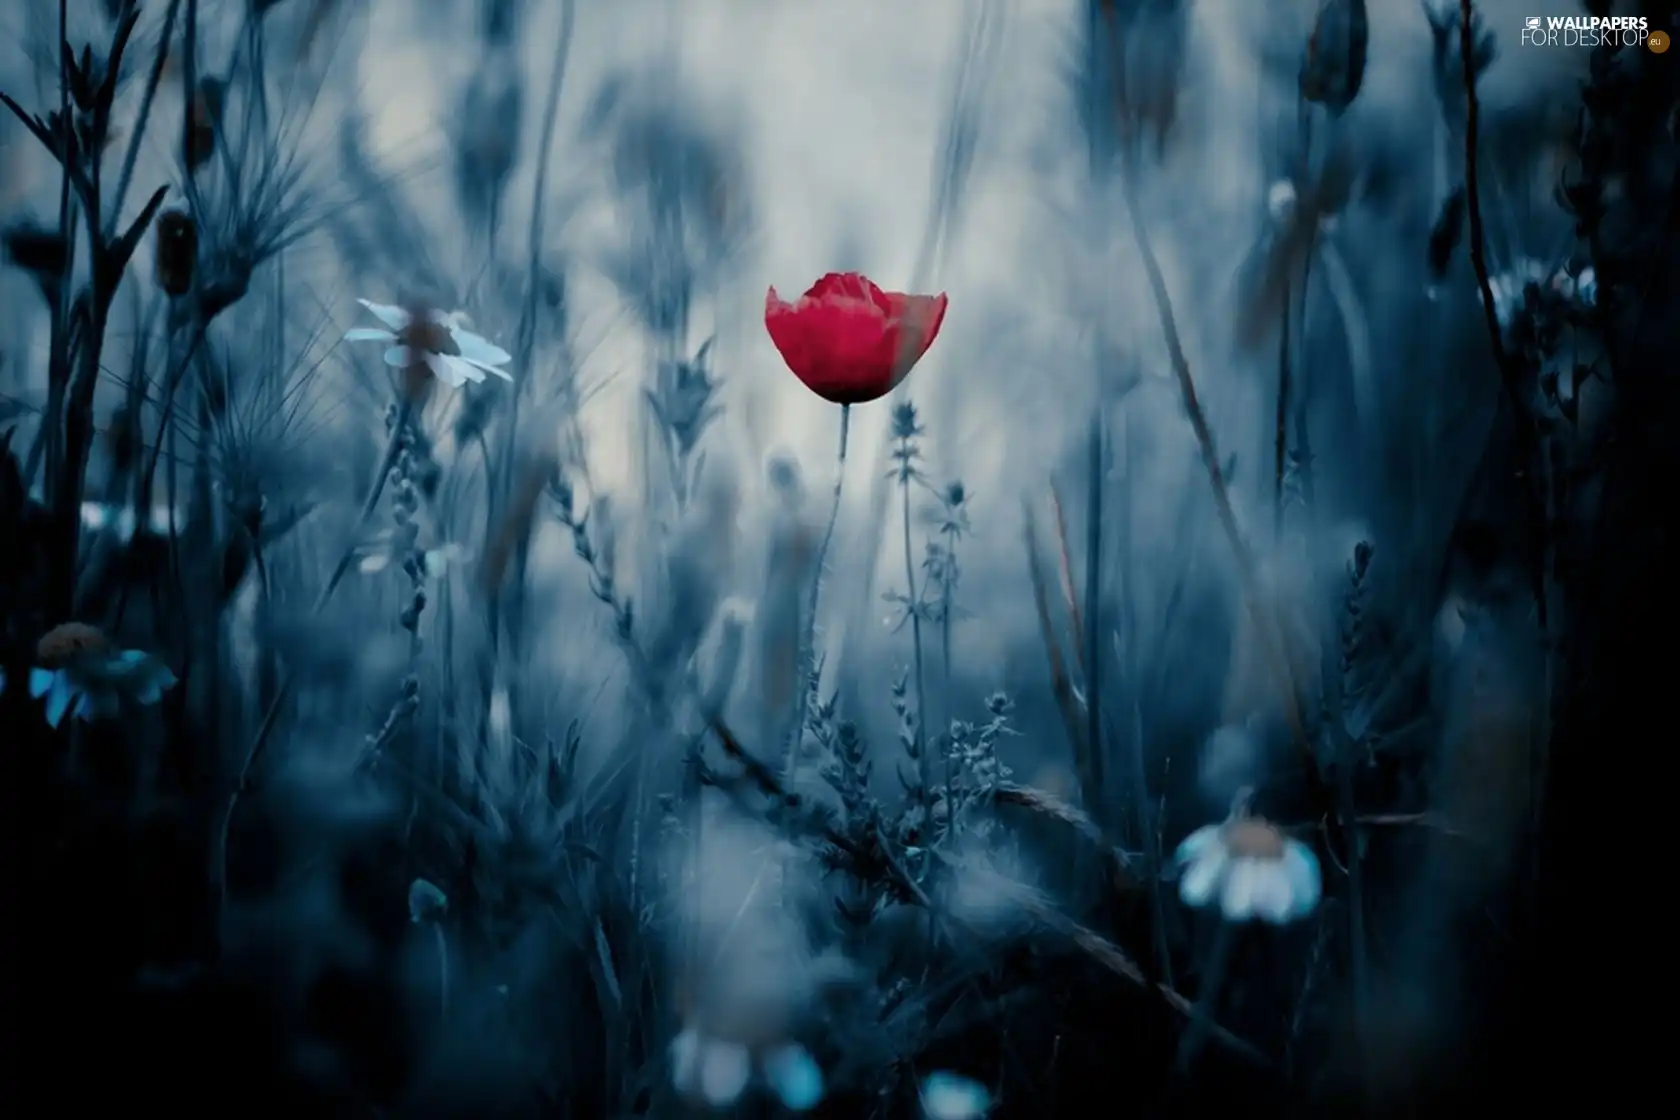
(176, 254)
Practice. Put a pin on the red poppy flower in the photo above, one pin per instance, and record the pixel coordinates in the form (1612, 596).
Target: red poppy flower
(849, 341)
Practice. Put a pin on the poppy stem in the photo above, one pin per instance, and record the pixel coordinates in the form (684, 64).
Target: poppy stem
(808, 638)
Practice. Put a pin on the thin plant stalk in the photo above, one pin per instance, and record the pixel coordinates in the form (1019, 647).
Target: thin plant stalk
(1247, 566)
(442, 942)
(153, 80)
(1201, 1016)
(254, 754)
(808, 639)
(1280, 419)
(948, 705)
(1358, 962)
(1510, 374)
(924, 764)
(1093, 604)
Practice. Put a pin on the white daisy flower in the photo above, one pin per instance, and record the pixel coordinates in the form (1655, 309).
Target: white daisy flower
(1250, 869)
(81, 673)
(440, 340)
(718, 1071)
(951, 1096)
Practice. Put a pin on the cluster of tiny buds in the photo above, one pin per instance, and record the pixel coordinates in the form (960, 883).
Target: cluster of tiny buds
(405, 505)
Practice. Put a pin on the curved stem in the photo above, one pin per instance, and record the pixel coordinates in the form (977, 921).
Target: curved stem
(443, 970)
(1201, 1017)
(808, 638)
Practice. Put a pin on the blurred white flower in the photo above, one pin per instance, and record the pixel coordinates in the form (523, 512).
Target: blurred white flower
(377, 554)
(718, 1071)
(1280, 200)
(1230, 760)
(453, 353)
(1250, 869)
(119, 520)
(951, 1096)
(1509, 287)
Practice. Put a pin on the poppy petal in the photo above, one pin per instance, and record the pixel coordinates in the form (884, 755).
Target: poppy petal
(848, 340)
(918, 319)
(849, 285)
(835, 343)
(394, 317)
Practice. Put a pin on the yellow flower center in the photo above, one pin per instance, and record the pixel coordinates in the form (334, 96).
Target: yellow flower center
(63, 644)
(1253, 839)
(428, 336)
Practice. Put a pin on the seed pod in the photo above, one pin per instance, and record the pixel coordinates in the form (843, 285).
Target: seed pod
(1333, 68)
(202, 118)
(176, 252)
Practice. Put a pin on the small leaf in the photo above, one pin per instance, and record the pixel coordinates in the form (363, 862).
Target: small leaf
(114, 261)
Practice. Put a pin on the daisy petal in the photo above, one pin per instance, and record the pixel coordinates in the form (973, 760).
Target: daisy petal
(58, 700)
(369, 334)
(480, 350)
(1305, 880)
(454, 372)
(40, 680)
(725, 1069)
(1196, 844)
(1274, 895)
(394, 317)
(501, 373)
(795, 1077)
(397, 357)
(1202, 878)
(685, 1060)
(950, 1096)
(1236, 900)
